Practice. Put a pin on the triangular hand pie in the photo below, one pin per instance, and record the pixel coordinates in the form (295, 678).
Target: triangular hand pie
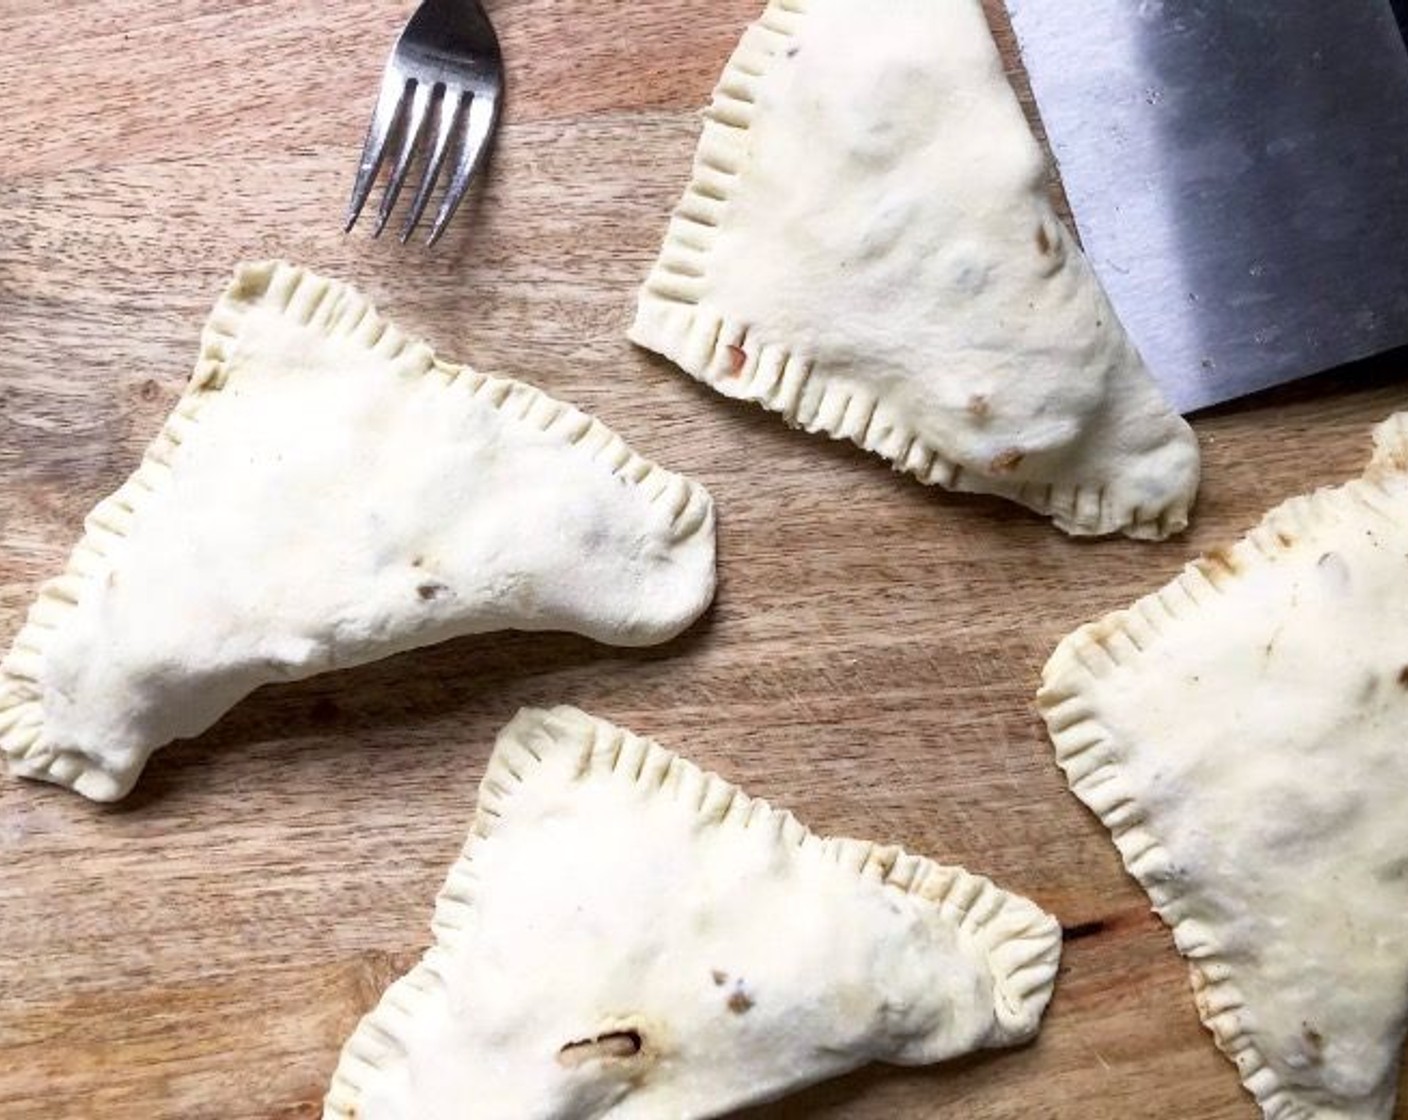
(867, 247)
(327, 492)
(1244, 735)
(626, 936)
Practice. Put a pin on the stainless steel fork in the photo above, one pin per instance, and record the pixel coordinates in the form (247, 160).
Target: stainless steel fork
(446, 65)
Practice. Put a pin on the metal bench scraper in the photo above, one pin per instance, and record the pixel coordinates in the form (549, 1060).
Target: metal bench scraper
(1238, 172)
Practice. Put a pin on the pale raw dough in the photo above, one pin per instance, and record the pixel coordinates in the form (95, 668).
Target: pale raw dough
(867, 247)
(626, 936)
(1244, 735)
(327, 492)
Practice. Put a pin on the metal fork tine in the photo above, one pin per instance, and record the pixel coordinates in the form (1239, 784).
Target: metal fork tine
(451, 108)
(439, 104)
(388, 108)
(410, 138)
(475, 143)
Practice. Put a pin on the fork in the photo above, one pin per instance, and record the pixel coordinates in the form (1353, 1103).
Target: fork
(446, 65)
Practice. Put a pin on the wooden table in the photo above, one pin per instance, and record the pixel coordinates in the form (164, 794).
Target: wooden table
(202, 949)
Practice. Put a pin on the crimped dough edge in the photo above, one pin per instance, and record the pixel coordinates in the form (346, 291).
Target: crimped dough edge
(1089, 752)
(674, 319)
(333, 310)
(1020, 942)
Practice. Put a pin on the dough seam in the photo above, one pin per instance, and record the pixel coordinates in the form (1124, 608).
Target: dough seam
(335, 311)
(674, 319)
(1091, 753)
(1020, 942)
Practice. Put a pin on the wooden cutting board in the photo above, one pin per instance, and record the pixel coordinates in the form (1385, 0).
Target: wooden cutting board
(202, 949)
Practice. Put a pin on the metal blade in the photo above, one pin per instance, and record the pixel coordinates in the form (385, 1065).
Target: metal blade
(1238, 171)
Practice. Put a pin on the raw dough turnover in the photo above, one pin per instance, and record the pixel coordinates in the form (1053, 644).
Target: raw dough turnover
(867, 247)
(327, 492)
(1243, 733)
(626, 936)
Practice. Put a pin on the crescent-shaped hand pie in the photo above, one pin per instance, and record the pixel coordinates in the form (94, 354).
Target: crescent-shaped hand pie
(1243, 733)
(327, 492)
(628, 937)
(868, 248)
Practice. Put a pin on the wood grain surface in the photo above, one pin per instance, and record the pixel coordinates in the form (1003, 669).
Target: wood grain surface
(202, 949)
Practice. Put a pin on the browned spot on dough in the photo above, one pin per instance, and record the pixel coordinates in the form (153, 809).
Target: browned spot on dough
(419, 561)
(1403, 677)
(150, 390)
(1222, 559)
(720, 978)
(1007, 462)
(428, 591)
(1285, 538)
(1314, 1042)
(737, 359)
(1395, 460)
(739, 1003)
(1102, 630)
(979, 407)
(884, 860)
(1043, 240)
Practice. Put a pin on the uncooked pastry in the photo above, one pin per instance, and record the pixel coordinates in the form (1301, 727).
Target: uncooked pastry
(867, 247)
(1242, 733)
(327, 492)
(626, 936)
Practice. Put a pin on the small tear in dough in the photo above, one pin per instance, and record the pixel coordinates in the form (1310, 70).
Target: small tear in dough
(615, 1046)
(1241, 732)
(628, 937)
(868, 248)
(327, 492)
